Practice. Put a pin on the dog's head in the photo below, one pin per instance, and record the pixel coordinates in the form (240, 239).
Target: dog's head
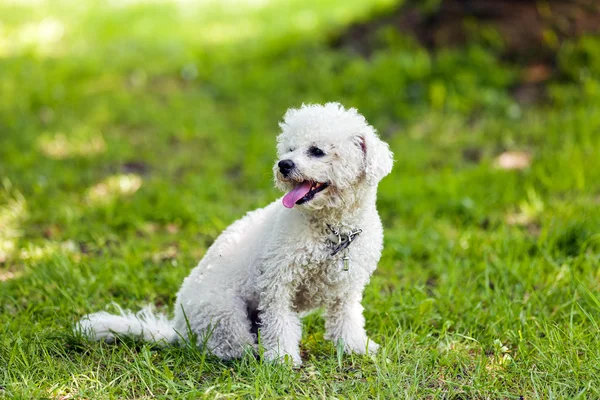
(328, 156)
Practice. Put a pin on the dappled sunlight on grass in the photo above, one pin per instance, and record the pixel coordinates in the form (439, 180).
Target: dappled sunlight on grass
(74, 29)
(33, 254)
(529, 210)
(8, 275)
(60, 146)
(39, 252)
(114, 187)
(222, 33)
(44, 37)
(11, 217)
(188, 3)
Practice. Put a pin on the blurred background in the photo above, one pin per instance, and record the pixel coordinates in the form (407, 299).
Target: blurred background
(181, 99)
(132, 132)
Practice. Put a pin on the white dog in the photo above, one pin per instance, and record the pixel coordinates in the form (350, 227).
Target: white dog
(317, 249)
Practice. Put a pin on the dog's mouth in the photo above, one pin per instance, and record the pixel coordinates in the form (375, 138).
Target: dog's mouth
(303, 192)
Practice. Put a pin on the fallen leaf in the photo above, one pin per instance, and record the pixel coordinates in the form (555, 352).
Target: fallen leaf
(52, 231)
(169, 253)
(520, 219)
(8, 275)
(527, 221)
(513, 160)
(113, 187)
(537, 73)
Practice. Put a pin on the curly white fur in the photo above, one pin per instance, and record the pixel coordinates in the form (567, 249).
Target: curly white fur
(275, 263)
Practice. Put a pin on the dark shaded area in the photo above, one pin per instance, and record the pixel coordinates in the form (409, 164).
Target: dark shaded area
(525, 32)
(135, 167)
(575, 239)
(254, 317)
(530, 30)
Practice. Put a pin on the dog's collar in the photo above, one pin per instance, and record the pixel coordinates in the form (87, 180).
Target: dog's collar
(339, 241)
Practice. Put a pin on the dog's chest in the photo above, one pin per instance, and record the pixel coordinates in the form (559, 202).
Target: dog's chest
(318, 283)
(318, 271)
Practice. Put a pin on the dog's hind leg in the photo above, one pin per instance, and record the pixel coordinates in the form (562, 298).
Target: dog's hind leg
(223, 328)
(280, 326)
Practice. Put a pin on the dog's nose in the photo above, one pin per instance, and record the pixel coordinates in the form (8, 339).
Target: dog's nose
(285, 166)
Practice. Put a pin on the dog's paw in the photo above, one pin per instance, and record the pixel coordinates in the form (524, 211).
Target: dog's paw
(363, 346)
(371, 347)
(283, 358)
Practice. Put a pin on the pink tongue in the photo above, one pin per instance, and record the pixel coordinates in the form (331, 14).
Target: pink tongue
(296, 194)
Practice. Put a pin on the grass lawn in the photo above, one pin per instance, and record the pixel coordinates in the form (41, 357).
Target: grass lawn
(132, 133)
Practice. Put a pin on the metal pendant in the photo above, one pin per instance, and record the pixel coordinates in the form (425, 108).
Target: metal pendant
(346, 261)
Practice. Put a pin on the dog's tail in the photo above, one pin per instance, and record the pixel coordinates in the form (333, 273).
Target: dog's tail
(145, 324)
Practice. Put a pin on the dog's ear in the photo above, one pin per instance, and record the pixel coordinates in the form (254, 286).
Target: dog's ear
(378, 157)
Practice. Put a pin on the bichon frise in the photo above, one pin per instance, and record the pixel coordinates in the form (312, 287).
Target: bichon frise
(317, 249)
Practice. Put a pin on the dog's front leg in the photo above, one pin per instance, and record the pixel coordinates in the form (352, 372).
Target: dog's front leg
(281, 329)
(344, 321)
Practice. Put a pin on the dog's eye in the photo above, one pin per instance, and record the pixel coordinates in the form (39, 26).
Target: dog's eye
(316, 152)
(291, 149)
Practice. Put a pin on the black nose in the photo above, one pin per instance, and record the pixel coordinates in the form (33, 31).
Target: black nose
(285, 166)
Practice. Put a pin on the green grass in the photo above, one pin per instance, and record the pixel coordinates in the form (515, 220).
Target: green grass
(131, 135)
